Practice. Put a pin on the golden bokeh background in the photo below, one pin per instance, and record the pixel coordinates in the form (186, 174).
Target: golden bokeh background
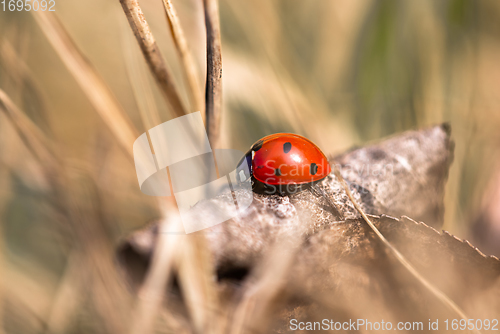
(342, 73)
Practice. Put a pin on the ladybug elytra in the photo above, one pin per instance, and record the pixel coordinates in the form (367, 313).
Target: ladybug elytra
(283, 163)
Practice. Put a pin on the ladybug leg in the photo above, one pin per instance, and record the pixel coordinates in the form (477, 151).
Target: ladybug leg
(318, 190)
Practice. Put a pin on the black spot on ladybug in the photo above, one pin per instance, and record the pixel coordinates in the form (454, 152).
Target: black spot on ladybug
(277, 172)
(258, 145)
(314, 169)
(287, 147)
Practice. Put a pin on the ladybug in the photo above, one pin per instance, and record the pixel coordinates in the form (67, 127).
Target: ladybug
(283, 163)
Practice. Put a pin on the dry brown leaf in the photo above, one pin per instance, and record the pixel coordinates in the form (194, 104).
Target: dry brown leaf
(341, 270)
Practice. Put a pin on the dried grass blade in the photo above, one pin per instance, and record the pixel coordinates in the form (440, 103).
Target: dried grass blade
(195, 276)
(153, 55)
(252, 314)
(109, 294)
(152, 292)
(89, 80)
(5, 195)
(17, 69)
(30, 134)
(187, 60)
(140, 85)
(67, 298)
(400, 257)
(152, 296)
(213, 92)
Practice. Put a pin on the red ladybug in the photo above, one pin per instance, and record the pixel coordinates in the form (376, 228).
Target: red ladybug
(284, 163)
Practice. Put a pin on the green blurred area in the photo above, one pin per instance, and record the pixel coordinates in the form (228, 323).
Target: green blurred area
(342, 73)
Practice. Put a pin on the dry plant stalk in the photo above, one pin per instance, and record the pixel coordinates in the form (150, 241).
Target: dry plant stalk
(153, 55)
(21, 73)
(174, 250)
(251, 312)
(5, 194)
(83, 222)
(141, 86)
(109, 109)
(88, 78)
(443, 298)
(151, 294)
(189, 256)
(67, 298)
(82, 205)
(30, 134)
(194, 265)
(213, 93)
(187, 60)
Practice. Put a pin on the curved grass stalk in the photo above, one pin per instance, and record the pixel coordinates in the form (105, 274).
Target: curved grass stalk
(190, 71)
(441, 296)
(153, 56)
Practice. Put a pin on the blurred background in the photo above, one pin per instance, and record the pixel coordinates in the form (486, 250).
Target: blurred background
(342, 73)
